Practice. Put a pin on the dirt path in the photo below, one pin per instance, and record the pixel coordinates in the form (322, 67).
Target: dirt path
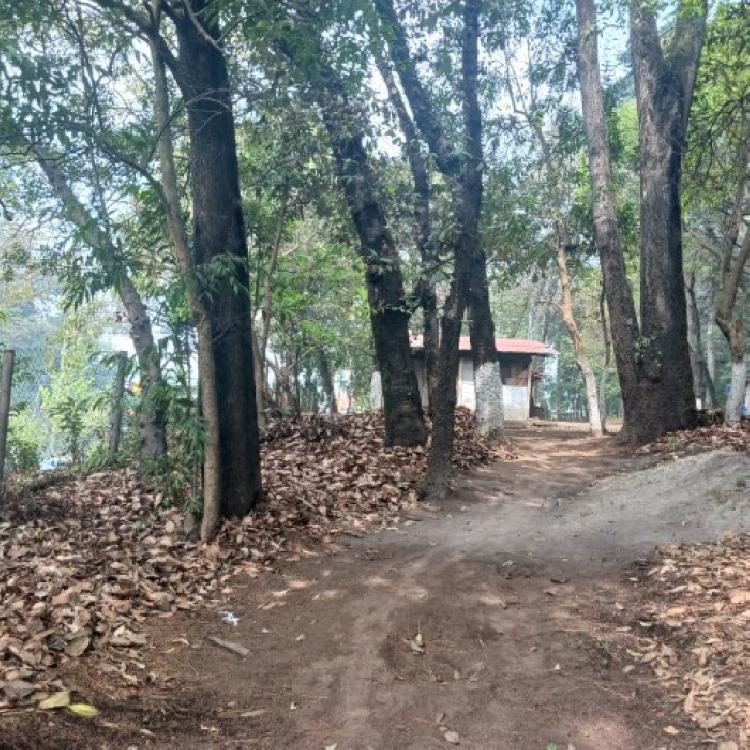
(513, 586)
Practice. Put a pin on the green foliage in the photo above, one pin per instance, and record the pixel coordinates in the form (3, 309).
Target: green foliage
(24, 448)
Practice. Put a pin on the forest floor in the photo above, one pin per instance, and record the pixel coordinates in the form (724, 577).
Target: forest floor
(498, 621)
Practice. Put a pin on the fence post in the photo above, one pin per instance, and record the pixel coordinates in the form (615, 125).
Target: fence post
(117, 393)
(5, 383)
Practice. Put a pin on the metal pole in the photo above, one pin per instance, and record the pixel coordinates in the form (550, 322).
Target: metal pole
(117, 393)
(5, 382)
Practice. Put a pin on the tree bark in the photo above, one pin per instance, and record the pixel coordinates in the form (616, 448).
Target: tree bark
(579, 347)
(389, 312)
(6, 382)
(220, 252)
(326, 377)
(267, 309)
(152, 416)
(664, 84)
(697, 363)
(463, 167)
(170, 195)
(727, 317)
(653, 362)
(422, 232)
(607, 360)
(118, 391)
(622, 316)
(711, 399)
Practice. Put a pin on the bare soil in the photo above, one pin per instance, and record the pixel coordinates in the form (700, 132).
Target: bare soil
(516, 586)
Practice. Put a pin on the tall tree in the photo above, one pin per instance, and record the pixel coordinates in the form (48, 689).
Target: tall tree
(199, 68)
(390, 310)
(462, 164)
(653, 360)
(664, 83)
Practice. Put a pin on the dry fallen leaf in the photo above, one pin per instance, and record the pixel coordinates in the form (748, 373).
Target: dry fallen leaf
(58, 700)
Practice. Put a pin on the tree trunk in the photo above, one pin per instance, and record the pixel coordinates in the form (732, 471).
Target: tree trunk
(622, 317)
(152, 416)
(697, 364)
(208, 407)
(463, 167)
(607, 361)
(118, 392)
(221, 254)
(422, 232)
(730, 323)
(653, 363)
(711, 399)
(582, 359)
(267, 309)
(728, 318)
(6, 383)
(444, 410)
(664, 88)
(389, 314)
(326, 376)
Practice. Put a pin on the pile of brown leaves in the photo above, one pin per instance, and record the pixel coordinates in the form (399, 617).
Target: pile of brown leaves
(701, 610)
(85, 561)
(703, 438)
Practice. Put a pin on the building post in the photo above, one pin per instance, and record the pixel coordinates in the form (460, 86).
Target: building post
(5, 383)
(118, 392)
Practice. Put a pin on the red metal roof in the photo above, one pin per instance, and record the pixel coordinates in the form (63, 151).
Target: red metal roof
(504, 346)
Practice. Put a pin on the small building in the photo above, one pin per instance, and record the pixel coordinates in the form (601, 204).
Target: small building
(520, 380)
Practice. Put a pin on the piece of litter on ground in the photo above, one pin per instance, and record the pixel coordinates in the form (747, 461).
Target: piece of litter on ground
(235, 648)
(452, 737)
(229, 617)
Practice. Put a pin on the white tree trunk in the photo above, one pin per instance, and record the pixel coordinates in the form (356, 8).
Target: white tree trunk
(736, 397)
(488, 391)
(592, 399)
(376, 391)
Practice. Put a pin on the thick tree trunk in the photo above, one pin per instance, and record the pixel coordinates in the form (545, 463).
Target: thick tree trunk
(653, 363)
(422, 232)
(221, 253)
(326, 377)
(389, 314)
(581, 355)
(208, 407)
(444, 411)
(664, 88)
(463, 166)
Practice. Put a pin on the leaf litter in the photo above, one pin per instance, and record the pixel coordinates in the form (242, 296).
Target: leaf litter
(86, 560)
(698, 610)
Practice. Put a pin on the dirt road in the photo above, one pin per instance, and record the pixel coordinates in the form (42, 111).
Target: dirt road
(490, 621)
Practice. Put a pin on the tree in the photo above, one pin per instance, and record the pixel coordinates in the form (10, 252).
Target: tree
(652, 360)
(389, 308)
(718, 200)
(462, 166)
(220, 249)
(152, 414)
